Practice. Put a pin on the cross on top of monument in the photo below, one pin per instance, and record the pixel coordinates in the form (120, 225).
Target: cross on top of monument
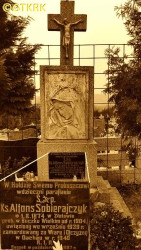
(67, 22)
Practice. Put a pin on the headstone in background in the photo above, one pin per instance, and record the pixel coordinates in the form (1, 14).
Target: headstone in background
(22, 134)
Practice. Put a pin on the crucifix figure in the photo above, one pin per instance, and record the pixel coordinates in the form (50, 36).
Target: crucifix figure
(67, 22)
(67, 32)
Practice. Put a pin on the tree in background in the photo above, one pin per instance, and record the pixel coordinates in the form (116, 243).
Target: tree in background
(16, 64)
(28, 119)
(124, 74)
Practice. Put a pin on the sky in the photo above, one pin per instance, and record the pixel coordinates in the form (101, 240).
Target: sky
(103, 26)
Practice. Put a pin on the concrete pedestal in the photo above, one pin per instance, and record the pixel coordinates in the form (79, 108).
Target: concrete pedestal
(89, 147)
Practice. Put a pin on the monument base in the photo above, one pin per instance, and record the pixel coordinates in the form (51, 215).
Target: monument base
(88, 147)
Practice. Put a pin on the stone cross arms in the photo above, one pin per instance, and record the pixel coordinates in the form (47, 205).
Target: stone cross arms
(67, 22)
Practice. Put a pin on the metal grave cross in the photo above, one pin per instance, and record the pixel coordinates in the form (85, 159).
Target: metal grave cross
(67, 22)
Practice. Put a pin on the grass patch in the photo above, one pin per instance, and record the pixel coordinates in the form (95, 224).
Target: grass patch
(131, 194)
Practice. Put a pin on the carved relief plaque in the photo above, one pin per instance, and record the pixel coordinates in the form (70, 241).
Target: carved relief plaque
(66, 105)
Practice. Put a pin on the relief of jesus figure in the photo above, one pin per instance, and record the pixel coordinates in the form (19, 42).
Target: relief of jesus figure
(67, 28)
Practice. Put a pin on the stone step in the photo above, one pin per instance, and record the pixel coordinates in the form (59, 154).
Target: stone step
(101, 183)
(108, 194)
(118, 202)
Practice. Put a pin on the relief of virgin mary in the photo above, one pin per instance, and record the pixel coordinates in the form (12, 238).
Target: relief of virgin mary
(67, 115)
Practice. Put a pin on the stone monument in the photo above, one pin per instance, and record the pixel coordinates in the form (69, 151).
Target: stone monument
(55, 209)
(67, 98)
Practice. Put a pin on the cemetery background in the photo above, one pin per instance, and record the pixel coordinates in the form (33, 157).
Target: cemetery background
(113, 162)
(84, 54)
(108, 162)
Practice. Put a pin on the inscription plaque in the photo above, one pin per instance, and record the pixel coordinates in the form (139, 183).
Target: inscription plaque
(66, 165)
(34, 214)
